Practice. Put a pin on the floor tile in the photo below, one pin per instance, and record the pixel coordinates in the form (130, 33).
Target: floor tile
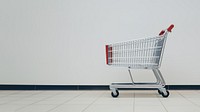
(149, 108)
(10, 108)
(37, 108)
(182, 109)
(109, 108)
(70, 108)
(99, 101)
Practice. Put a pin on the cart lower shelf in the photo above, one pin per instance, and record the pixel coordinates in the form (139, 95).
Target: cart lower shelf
(161, 88)
(135, 85)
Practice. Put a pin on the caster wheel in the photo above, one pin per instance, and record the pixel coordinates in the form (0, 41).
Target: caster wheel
(160, 92)
(165, 95)
(115, 95)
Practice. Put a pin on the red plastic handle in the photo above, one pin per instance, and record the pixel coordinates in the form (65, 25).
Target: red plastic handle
(162, 32)
(107, 54)
(169, 29)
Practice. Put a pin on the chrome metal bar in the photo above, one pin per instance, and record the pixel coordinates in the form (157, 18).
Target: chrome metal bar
(157, 76)
(130, 75)
(136, 85)
(162, 79)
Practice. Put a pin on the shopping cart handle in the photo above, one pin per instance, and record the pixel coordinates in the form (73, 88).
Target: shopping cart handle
(162, 32)
(107, 54)
(169, 29)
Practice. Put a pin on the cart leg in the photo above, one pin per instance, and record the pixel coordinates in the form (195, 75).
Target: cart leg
(129, 70)
(160, 80)
(159, 77)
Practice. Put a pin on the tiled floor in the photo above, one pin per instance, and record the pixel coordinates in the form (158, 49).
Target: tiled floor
(99, 101)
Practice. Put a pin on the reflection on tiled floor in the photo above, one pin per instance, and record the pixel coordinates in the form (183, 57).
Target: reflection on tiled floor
(99, 101)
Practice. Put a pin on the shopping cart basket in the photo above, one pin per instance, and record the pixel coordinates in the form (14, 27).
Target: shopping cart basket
(143, 53)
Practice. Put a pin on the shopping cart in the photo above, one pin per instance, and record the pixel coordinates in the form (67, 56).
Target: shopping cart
(143, 53)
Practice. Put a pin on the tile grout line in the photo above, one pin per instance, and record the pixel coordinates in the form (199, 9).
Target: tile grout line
(162, 103)
(133, 101)
(92, 102)
(189, 100)
(34, 102)
(9, 95)
(16, 99)
(65, 102)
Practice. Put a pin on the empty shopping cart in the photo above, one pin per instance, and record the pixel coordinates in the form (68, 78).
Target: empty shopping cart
(143, 53)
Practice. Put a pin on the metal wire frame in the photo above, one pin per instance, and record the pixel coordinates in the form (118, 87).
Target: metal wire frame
(143, 53)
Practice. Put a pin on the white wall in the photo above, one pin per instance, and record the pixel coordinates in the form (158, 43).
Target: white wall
(62, 41)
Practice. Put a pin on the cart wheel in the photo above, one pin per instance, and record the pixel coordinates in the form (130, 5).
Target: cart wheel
(115, 95)
(165, 95)
(160, 92)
